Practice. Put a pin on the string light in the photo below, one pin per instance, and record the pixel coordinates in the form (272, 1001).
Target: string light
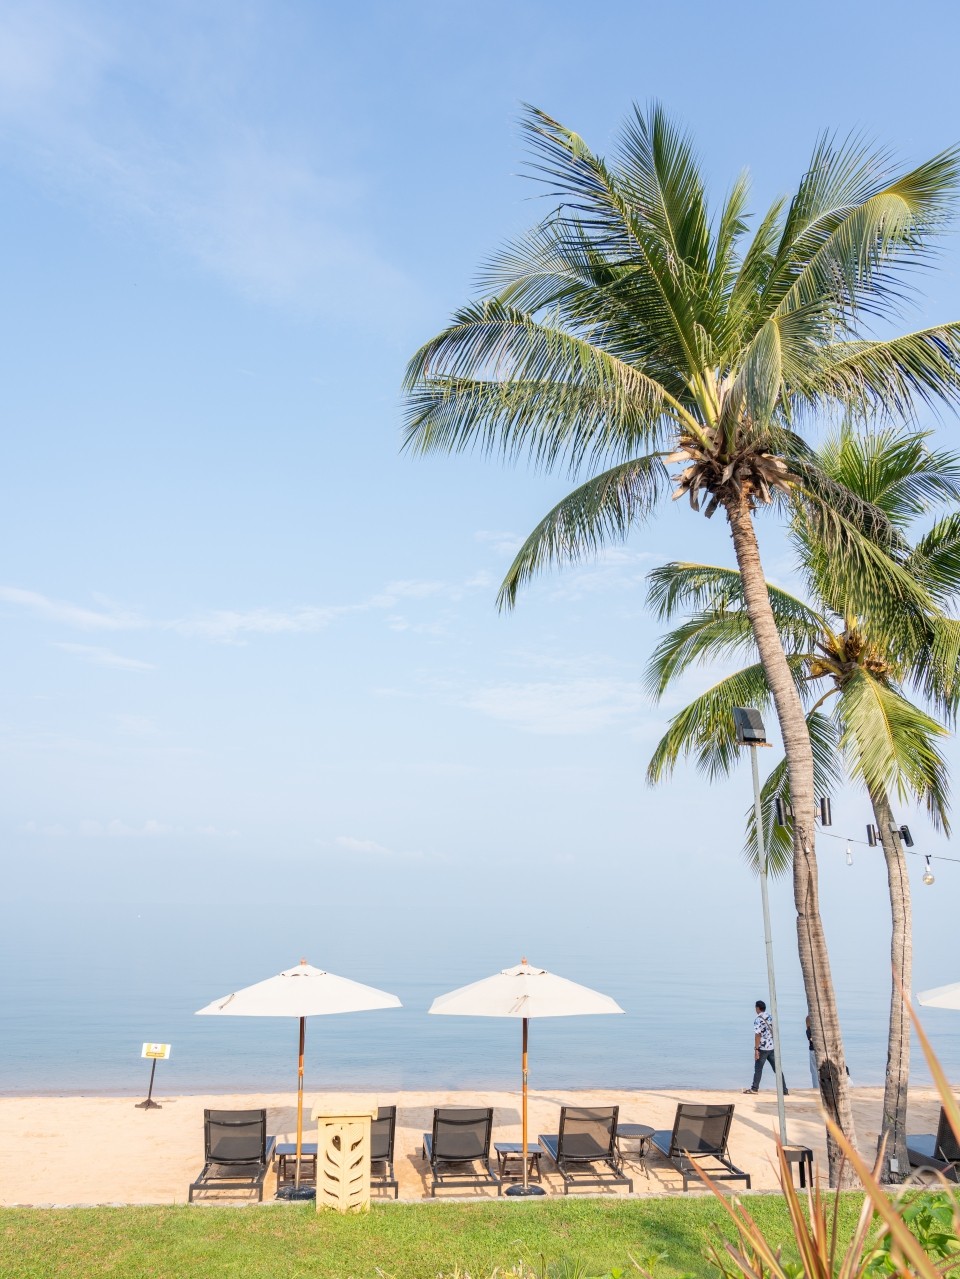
(928, 876)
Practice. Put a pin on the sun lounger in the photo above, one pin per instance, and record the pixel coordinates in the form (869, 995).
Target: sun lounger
(458, 1149)
(382, 1132)
(586, 1145)
(699, 1133)
(236, 1151)
(939, 1152)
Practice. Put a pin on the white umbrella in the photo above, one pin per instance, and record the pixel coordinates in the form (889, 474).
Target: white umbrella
(524, 992)
(301, 992)
(941, 996)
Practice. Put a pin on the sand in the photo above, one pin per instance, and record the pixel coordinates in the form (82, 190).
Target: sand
(102, 1150)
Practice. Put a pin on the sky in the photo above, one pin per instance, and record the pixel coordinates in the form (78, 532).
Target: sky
(251, 647)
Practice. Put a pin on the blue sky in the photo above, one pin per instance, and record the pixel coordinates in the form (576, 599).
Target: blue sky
(241, 631)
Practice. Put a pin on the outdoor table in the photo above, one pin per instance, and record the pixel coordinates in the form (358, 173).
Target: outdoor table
(640, 1133)
(286, 1153)
(510, 1160)
(803, 1156)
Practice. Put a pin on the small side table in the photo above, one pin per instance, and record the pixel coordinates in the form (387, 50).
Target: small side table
(803, 1156)
(286, 1153)
(640, 1133)
(510, 1161)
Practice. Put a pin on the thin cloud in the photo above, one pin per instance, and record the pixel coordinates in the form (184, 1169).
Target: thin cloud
(354, 845)
(76, 615)
(235, 626)
(502, 543)
(370, 848)
(232, 625)
(105, 657)
(561, 707)
(134, 725)
(274, 215)
(89, 828)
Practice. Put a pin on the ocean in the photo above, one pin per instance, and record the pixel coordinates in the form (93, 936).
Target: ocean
(84, 987)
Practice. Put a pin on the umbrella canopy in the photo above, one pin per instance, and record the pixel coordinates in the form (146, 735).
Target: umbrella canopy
(303, 991)
(300, 992)
(941, 996)
(524, 992)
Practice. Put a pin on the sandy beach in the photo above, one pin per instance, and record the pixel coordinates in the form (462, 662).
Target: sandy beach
(102, 1150)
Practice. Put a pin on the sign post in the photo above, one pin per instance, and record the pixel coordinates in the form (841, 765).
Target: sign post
(155, 1053)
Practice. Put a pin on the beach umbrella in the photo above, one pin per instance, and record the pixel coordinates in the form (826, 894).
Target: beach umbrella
(524, 992)
(941, 996)
(300, 992)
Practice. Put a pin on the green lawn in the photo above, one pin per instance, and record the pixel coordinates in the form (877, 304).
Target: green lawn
(405, 1241)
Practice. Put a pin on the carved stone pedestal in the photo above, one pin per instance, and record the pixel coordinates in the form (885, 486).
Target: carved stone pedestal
(343, 1160)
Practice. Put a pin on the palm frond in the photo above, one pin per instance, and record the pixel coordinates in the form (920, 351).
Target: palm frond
(935, 560)
(605, 507)
(659, 170)
(851, 228)
(895, 376)
(499, 380)
(712, 635)
(851, 555)
(678, 585)
(704, 728)
(628, 226)
(892, 744)
(895, 470)
(934, 668)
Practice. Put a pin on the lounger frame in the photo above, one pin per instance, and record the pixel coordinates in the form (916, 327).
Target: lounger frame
(383, 1132)
(585, 1145)
(236, 1151)
(938, 1153)
(699, 1133)
(458, 1148)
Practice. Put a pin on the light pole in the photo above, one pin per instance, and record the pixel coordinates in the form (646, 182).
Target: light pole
(750, 732)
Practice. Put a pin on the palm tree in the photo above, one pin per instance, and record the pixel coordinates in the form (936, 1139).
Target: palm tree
(630, 330)
(860, 670)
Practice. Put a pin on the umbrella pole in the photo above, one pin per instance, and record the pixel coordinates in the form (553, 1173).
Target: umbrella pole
(303, 1031)
(523, 1111)
(523, 1187)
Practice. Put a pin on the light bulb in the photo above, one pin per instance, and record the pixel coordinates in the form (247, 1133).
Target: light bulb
(928, 873)
(849, 855)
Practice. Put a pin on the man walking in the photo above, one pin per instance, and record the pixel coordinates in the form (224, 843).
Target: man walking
(763, 1047)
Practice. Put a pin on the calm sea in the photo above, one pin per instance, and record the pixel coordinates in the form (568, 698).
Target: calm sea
(83, 988)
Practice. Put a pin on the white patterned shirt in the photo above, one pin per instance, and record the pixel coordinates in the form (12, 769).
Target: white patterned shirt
(763, 1026)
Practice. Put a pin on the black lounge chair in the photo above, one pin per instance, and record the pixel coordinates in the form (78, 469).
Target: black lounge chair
(458, 1149)
(382, 1132)
(939, 1153)
(585, 1145)
(236, 1151)
(699, 1133)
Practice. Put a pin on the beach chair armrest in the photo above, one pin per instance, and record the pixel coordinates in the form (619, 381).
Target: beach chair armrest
(662, 1140)
(550, 1143)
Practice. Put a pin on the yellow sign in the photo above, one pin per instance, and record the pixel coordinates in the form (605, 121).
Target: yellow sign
(159, 1052)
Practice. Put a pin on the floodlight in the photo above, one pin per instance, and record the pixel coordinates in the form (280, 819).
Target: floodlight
(749, 726)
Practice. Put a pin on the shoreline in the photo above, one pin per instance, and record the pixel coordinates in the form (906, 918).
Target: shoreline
(71, 1150)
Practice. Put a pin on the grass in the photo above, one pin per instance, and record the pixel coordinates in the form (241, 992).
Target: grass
(403, 1241)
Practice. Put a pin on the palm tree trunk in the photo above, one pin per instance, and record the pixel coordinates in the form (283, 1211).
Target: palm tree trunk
(901, 958)
(812, 945)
